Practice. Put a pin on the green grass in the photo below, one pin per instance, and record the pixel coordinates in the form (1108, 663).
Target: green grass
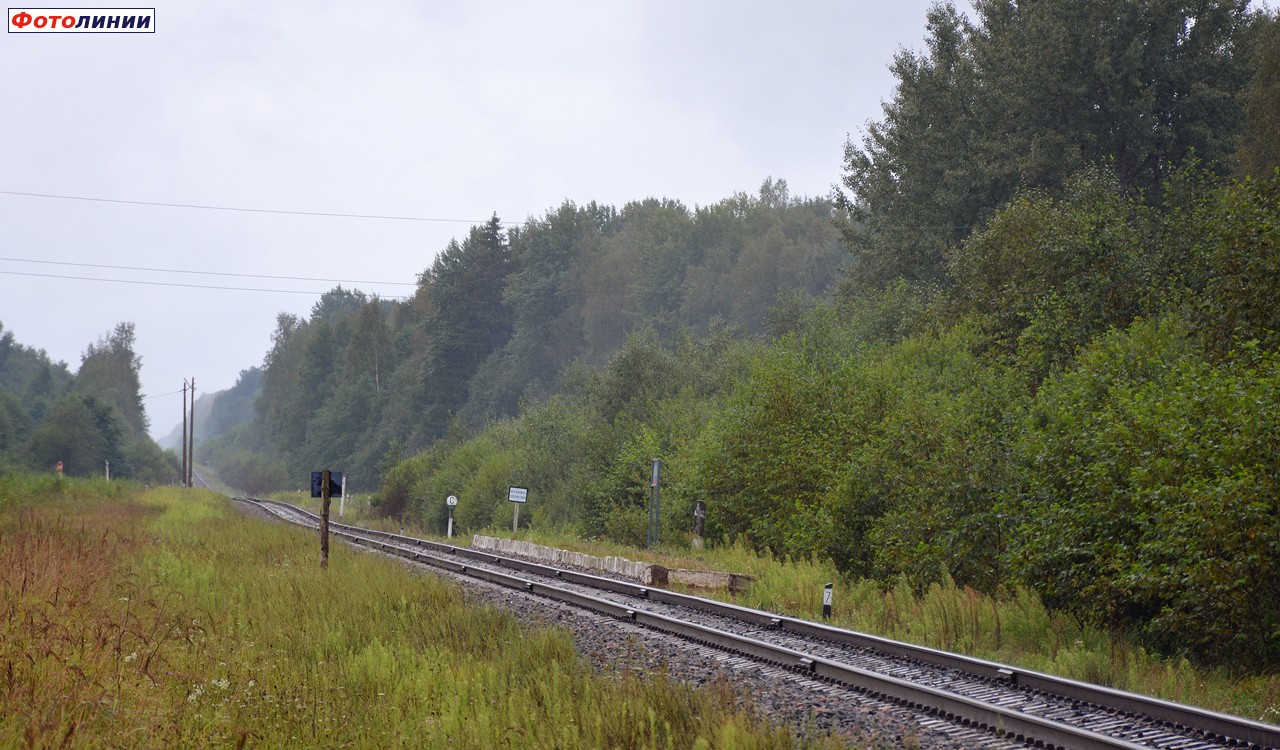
(168, 619)
(1014, 627)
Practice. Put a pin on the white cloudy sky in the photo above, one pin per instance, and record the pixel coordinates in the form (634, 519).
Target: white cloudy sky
(420, 109)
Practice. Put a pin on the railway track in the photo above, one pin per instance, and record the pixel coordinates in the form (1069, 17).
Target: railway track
(1011, 703)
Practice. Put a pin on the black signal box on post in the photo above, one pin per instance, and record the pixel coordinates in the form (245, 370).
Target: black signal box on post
(335, 484)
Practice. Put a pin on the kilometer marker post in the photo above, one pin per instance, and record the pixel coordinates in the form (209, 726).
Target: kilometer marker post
(826, 601)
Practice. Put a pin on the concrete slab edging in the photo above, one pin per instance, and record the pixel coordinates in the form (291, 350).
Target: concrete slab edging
(648, 574)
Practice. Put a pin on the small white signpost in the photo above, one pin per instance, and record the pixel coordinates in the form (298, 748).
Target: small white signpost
(451, 501)
(518, 496)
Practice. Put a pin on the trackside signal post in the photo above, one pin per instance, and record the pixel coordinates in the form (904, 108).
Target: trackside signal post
(452, 501)
(323, 485)
(325, 488)
(518, 496)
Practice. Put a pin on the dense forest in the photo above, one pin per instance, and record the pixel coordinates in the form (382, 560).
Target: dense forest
(1032, 340)
(48, 415)
(501, 317)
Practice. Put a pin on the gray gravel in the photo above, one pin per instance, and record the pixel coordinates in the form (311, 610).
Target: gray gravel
(785, 698)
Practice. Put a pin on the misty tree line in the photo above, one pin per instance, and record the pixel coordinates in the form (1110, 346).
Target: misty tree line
(1051, 358)
(499, 317)
(48, 415)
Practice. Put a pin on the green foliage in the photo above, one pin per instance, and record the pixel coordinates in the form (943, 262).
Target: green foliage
(502, 317)
(244, 639)
(337, 303)
(109, 371)
(468, 322)
(324, 386)
(15, 429)
(477, 471)
(559, 458)
(1050, 274)
(982, 406)
(47, 416)
(30, 376)
(82, 432)
(651, 401)
(767, 457)
(922, 482)
(585, 456)
(232, 407)
(1027, 94)
(141, 460)
(1238, 257)
(1259, 154)
(869, 316)
(1150, 496)
(888, 461)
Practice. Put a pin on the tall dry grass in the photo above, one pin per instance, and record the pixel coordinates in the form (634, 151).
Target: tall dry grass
(1012, 627)
(167, 619)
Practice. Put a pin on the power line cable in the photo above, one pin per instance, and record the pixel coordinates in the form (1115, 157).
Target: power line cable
(633, 293)
(206, 273)
(338, 215)
(569, 290)
(175, 284)
(203, 207)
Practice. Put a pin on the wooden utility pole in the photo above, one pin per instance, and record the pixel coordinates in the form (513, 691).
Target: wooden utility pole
(184, 432)
(191, 444)
(324, 518)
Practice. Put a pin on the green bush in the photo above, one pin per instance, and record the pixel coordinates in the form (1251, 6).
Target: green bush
(1152, 497)
(925, 479)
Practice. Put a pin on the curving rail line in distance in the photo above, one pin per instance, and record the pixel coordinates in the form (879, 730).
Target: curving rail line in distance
(1215, 729)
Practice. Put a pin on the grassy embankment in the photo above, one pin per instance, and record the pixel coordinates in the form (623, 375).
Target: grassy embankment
(169, 619)
(1014, 628)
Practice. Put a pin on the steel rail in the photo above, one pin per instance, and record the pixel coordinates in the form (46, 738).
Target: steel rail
(1001, 721)
(1212, 724)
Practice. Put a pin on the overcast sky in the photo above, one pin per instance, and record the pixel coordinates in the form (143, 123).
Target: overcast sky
(420, 109)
